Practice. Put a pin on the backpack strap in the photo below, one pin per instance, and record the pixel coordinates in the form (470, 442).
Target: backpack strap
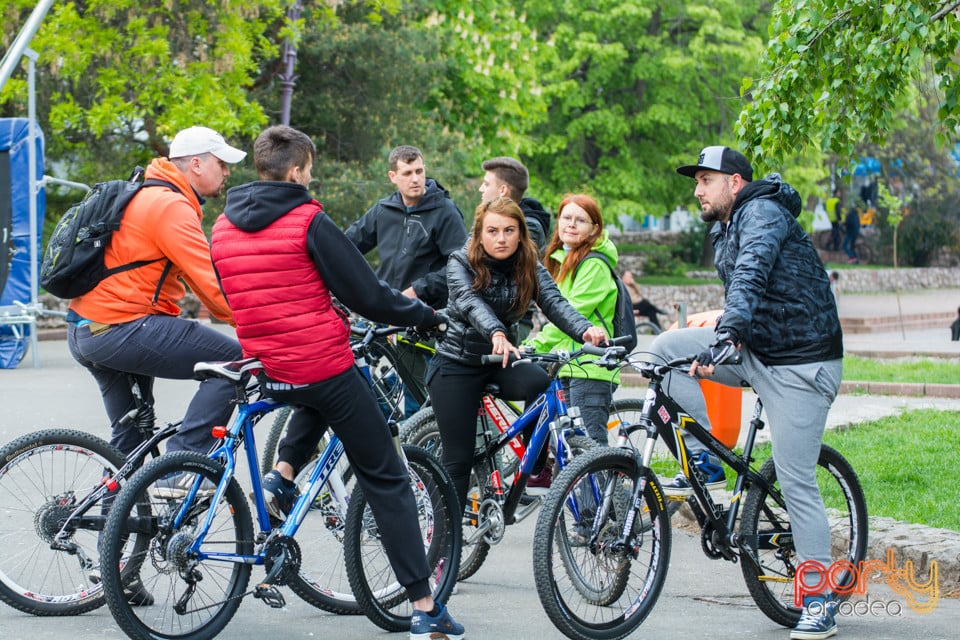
(597, 254)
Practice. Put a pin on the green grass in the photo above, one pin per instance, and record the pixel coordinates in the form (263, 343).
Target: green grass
(901, 370)
(906, 465)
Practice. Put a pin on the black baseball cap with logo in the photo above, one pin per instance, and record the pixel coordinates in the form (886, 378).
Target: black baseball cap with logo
(722, 159)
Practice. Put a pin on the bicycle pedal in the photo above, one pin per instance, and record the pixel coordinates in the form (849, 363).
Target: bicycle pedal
(270, 595)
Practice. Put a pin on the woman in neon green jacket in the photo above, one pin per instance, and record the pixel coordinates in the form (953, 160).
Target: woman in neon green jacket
(587, 283)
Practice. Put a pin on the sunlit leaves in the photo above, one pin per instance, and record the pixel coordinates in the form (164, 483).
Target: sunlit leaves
(862, 58)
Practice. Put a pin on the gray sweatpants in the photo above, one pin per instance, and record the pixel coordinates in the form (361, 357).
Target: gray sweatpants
(796, 399)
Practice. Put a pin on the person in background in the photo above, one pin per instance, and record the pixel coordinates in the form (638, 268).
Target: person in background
(415, 228)
(835, 285)
(587, 284)
(642, 306)
(273, 231)
(507, 177)
(852, 227)
(779, 313)
(491, 283)
(955, 328)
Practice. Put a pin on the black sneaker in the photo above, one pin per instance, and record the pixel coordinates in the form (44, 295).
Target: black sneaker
(711, 469)
(423, 626)
(817, 620)
(279, 494)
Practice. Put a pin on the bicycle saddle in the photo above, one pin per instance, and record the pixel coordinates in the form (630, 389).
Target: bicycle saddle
(235, 370)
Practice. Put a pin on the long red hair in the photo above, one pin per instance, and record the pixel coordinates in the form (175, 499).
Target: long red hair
(558, 270)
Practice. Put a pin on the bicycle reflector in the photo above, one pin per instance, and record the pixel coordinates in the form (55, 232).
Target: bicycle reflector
(219, 432)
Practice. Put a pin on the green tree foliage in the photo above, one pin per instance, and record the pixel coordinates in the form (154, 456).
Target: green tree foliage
(118, 78)
(635, 89)
(835, 72)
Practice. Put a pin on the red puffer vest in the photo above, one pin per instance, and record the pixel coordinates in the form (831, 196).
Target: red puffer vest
(283, 310)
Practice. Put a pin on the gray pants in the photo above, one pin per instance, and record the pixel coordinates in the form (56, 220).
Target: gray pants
(593, 397)
(796, 399)
(157, 346)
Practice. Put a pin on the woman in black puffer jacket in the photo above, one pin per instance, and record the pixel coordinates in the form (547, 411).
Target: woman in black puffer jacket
(491, 281)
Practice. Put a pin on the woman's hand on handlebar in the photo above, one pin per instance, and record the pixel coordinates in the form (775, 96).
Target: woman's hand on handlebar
(595, 336)
(503, 347)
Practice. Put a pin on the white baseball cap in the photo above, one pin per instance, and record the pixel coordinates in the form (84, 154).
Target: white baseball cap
(199, 140)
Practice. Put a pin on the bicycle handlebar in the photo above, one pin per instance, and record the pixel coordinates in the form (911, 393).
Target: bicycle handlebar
(611, 353)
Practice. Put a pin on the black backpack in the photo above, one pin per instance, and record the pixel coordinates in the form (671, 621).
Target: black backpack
(624, 323)
(73, 261)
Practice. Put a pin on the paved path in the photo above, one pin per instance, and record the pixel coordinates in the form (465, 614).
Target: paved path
(701, 596)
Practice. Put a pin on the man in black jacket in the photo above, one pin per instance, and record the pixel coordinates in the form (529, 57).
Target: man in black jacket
(416, 228)
(508, 177)
(780, 314)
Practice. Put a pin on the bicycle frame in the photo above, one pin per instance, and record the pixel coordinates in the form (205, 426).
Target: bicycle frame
(552, 419)
(78, 518)
(663, 418)
(240, 433)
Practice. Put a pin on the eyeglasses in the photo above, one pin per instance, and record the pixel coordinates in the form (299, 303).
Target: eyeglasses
(578, 221)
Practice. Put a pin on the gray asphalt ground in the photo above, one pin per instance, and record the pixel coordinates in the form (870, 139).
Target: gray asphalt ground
(702, 597)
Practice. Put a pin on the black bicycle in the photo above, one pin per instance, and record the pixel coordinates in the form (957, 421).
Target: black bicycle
(604, 530)
(53, 485)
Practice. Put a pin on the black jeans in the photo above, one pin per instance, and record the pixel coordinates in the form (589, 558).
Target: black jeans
(346, 403)
(157, 346)
(455, 391)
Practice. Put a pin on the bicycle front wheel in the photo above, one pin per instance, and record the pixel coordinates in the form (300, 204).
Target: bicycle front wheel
(592, 586)
(44, 477)
(765, 525)
(191, 596)
(380, 596)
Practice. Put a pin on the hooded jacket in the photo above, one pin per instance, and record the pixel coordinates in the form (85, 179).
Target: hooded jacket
(280, 258)
(474, 316)
(778, 297)
(593, 293)
(159, 224)
(414, 244)
(538, 221)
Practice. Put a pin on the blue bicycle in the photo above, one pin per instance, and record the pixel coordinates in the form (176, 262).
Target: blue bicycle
(201, 543)
(496, 497)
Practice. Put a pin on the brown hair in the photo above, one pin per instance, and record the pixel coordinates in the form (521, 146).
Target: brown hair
(525, 266)
(510, 172)
(574, 256)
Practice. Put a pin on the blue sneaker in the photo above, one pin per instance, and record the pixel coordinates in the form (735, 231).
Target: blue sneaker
(712, 472)
(279, 494)
(423, 626)
(816, 620)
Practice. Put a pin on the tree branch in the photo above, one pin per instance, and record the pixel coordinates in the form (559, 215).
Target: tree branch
(948, 7)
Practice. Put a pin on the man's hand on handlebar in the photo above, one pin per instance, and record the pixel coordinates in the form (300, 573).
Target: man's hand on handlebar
(725, 349)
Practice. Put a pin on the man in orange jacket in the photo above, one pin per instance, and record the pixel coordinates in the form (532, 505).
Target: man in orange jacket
(128, 326)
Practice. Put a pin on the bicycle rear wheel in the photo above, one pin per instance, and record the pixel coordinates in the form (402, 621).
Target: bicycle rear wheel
(193, 597)
(44, 477)
(375, 586)
(590, 585)
(322, 579)
(765, 526)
